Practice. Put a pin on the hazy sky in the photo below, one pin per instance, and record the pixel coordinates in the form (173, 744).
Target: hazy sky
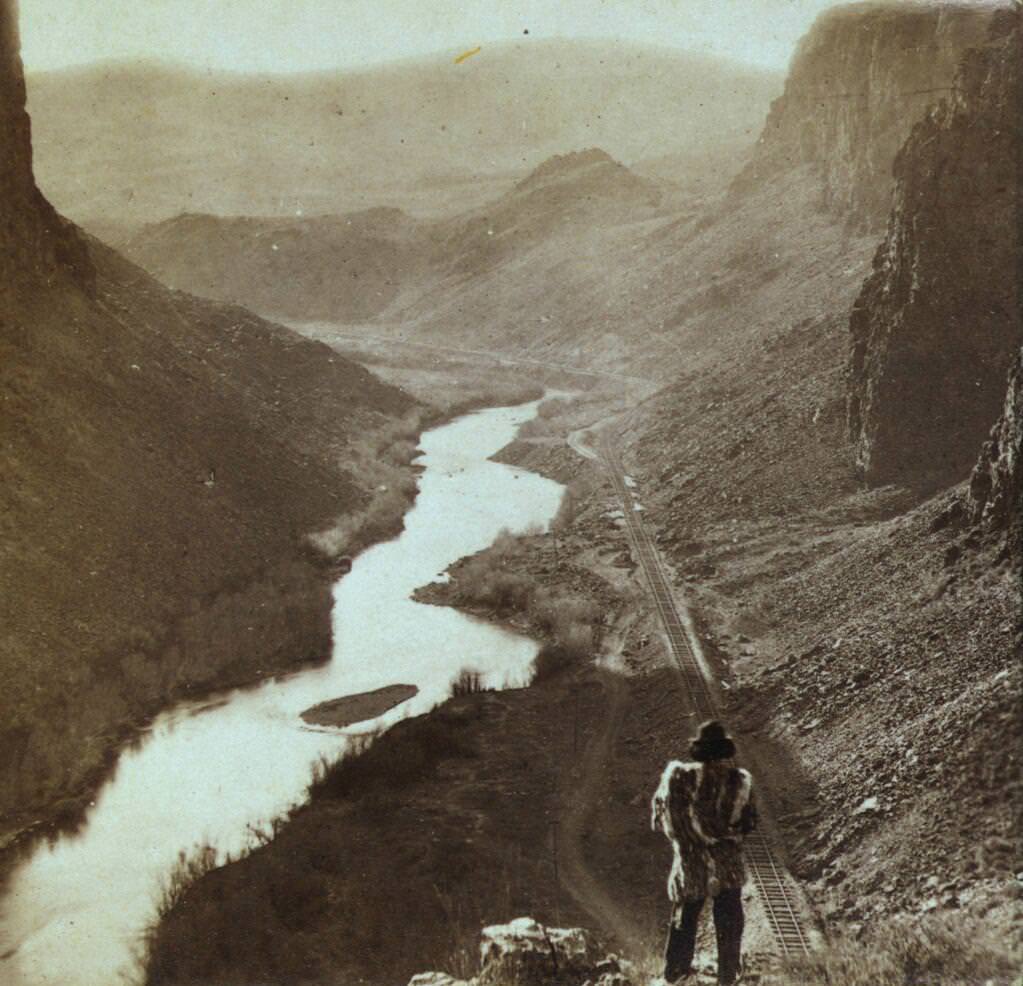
(291, 35)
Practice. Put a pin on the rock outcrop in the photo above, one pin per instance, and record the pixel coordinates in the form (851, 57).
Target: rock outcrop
(532, 954)
(995, 498)
(860, 79)
(33, 238)
(936, 324)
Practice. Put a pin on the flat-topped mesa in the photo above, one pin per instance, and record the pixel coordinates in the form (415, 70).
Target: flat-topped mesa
(938, 322)
(34, 240)
(860, 79)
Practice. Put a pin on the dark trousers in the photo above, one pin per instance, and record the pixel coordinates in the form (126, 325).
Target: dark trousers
(728, 925)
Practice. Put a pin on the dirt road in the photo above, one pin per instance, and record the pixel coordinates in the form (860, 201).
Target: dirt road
(585, 886)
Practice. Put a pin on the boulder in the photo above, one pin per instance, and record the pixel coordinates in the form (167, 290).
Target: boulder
(435, 979)
(525, 952)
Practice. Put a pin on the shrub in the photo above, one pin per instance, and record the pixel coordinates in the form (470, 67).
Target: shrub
(468, 682)
(507, 592)
(946, 950)
(556, 613)
(186, 871)
(567, 509)
(571, 647)
(568, 621)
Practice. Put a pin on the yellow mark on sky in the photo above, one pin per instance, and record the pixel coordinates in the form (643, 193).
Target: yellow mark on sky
(466, 55)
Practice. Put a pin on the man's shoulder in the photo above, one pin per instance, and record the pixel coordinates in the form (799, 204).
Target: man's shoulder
(691, 770)
(679, 767)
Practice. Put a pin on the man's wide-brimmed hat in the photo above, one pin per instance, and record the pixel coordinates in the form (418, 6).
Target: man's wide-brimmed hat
(712, 743)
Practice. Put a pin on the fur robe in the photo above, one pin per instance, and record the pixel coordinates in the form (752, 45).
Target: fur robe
(704, 809)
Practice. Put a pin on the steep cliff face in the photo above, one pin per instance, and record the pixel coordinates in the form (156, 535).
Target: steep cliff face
(860, 79)
(33, 238)
(163, 460)
(937, 322)
(995, 499)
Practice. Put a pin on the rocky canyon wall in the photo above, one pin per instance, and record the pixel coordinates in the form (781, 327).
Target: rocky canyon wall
(938, 321)
(163, 461)
(859, 81)
(995, 498)
(33, 238)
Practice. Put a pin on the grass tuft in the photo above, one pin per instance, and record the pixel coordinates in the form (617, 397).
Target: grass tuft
(945, 950)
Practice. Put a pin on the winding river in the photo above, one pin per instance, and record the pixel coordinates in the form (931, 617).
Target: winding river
(216, 773)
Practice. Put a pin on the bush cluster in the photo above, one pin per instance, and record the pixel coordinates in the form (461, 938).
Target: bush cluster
(468, 682)
(379, 461)
(939, 949)
(494, 580)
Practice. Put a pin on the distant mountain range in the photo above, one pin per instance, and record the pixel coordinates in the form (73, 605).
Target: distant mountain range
(354, 267)
(426, 135)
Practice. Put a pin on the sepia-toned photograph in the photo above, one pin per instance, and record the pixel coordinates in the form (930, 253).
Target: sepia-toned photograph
(511, 494)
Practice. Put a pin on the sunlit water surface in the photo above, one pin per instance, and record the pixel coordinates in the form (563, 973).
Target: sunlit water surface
(213, 772)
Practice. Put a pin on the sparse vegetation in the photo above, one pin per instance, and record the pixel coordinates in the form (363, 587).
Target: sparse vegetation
(950, 950)
(568, 509)
(567, 650)
(468, 682)
(380, 462)
(188, 869)
(546, 423)
(262, 918)
(497, 580)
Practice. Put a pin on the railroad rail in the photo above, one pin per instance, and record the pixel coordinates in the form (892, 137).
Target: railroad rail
(773, 886)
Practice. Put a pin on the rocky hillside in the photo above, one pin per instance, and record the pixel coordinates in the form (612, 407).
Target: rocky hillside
(567, 195)
(383, 262)
(871, 632)
(427, 135)
(585, 261)
(859, 81)
(937, 323)
(995, 500)
(164, 460)
(340, 268)
(659, 291)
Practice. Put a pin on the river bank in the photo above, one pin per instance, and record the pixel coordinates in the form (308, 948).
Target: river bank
(471, 804)
(240, 634)
(252, 628)
(526, 801)
(245, 759)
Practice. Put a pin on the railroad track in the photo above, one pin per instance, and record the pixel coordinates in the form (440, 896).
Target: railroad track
(774, 887)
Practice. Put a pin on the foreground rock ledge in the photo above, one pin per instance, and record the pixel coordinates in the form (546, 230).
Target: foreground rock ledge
(528, 953)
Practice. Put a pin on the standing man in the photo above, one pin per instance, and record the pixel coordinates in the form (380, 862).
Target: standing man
(705, 807)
